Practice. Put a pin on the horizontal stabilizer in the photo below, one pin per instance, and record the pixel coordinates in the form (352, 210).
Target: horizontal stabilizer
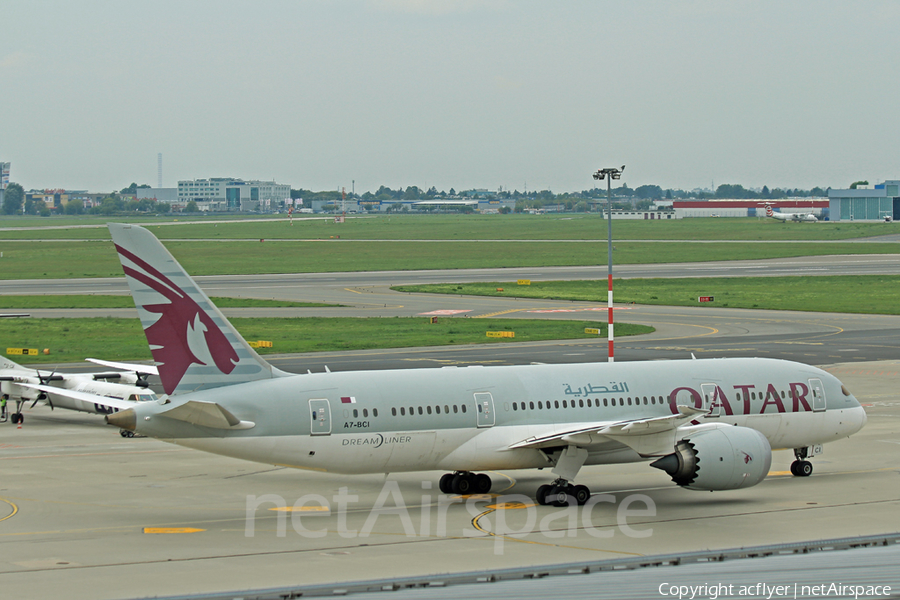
(83, 396)
(206, 414)
(147, 369)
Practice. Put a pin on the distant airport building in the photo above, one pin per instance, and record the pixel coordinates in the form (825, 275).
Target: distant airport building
(167, 195)
(864, 204)
(60, 198)
(637, 215)
(685, 209)
(228, 194)
(480, 205)
(4, 175)
(4, 179)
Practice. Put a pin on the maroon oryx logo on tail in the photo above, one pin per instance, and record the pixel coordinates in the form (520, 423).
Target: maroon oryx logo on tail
(184, 334)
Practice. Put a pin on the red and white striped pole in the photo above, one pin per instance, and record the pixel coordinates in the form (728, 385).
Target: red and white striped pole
(609, 175)
(611, 337)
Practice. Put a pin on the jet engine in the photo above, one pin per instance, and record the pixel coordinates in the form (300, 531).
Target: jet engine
(718, 457)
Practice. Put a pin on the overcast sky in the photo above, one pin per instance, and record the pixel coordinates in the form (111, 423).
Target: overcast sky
(450, 93)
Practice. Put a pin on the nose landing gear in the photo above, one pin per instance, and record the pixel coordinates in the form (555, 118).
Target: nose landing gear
(802, 467)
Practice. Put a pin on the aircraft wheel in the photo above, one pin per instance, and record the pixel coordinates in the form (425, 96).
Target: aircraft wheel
(581, 494)
(801, 468)
(18, 418)
(483, 483)
(445, 484)
(541, 495)
(558, 496)
(462, 484)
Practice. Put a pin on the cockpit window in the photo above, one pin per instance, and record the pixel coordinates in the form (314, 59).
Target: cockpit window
(845, 390)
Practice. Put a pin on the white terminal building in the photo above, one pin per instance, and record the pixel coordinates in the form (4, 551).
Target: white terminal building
(228, 194)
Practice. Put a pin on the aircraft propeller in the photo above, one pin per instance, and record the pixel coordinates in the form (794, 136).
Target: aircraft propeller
(142, 379)
(42, 395)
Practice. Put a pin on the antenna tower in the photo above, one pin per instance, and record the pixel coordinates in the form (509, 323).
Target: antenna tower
(159, 170)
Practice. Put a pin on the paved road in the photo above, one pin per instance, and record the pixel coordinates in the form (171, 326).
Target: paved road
(299, 286)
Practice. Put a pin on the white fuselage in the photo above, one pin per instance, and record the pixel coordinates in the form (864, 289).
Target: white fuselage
(14, 377)
(467, 419)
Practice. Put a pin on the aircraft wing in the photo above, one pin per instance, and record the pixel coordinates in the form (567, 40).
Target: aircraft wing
(648, 437)
(146, 369)
(83, 396)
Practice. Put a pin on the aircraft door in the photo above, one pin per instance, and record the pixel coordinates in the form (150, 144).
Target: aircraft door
(711, 399)
(484, 409)
(320, 417)
(818, 395)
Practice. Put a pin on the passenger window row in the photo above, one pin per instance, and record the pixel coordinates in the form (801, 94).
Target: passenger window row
(588, 403)
(437, 410)
(365, 413)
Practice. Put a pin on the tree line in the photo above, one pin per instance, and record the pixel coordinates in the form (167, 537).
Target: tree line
(641, 197)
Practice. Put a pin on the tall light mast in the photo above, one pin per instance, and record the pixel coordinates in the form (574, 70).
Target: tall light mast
(609, 175)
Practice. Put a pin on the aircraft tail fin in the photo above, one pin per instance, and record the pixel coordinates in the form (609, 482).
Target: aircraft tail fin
(193, 344)
(769, 211)
(5, 363)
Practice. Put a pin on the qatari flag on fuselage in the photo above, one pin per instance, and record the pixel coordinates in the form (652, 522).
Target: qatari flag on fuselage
(348, 400)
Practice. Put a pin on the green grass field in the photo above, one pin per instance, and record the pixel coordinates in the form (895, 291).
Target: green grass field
(73, 340)
(425, 242)
(61, 260)
(388, 243)
(871, 294)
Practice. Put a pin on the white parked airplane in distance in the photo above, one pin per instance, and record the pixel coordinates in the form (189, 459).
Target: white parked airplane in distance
(710, 424)
(807, 217)
(86, 392)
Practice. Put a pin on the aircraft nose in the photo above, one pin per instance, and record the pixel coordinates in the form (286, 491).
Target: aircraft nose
(857, 419)
(124, 419)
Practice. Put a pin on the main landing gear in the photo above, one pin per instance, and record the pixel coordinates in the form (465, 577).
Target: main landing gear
(17, 417)
(569, 461)
(801, 467)
(465, 483)
(562, 493)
